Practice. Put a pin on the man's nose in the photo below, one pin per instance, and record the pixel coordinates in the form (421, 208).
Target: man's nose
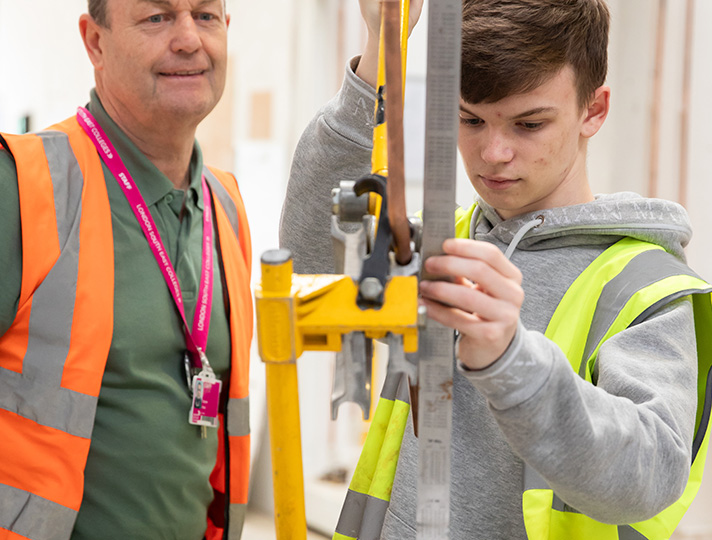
(186, 38)
(496, 149)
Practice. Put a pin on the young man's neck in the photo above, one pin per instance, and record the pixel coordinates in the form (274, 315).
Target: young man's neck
(168, 144)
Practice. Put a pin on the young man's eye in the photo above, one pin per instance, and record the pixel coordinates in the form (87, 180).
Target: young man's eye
(532, 126)
(466, 121)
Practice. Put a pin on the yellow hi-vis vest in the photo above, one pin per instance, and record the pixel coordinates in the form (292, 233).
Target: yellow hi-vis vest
(621, 287)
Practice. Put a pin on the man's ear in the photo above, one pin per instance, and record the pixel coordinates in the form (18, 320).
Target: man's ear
(92, 33)
(596, 111)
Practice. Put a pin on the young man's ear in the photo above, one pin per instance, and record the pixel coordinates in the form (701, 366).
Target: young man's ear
(91, 33)
(596, 111)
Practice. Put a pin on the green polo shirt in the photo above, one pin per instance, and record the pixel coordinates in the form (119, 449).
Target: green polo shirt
(147, 475)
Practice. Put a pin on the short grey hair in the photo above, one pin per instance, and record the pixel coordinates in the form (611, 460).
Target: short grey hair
(97, 10)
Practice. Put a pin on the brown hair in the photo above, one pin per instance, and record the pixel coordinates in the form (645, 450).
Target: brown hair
(513, 46)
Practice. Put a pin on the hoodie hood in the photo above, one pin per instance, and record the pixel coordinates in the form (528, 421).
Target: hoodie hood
(600, 222)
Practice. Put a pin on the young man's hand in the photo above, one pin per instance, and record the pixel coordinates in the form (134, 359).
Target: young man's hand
(482, 302)
(371, 13)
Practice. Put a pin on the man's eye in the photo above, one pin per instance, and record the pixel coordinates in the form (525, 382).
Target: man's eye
(532, 126)
(470, 121)
(155, 18)
(206, 17)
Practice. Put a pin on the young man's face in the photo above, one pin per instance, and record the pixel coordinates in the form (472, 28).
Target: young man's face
(527, 152)
(164, 57)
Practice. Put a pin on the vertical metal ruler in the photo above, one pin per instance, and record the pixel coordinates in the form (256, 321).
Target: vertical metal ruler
(436, 348)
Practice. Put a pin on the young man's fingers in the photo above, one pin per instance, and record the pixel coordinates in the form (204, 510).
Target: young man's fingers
(483, 251)
(479, 272)
(470, 300)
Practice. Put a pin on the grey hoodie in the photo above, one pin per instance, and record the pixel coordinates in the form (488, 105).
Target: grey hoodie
(618, 451)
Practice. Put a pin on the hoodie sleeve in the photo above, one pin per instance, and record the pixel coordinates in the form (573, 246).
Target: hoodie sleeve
(619, 451)
(335, 146)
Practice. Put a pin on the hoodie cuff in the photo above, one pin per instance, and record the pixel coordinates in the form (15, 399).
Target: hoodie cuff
(516, 376)
(351, 112)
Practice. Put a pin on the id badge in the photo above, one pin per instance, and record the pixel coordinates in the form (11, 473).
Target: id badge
(206, 400)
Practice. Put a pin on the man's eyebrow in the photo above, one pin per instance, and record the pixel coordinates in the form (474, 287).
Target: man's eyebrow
(167, 3)
(156, 2)
(534, 112)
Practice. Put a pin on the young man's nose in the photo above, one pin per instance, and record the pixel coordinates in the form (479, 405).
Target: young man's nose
(496, 149)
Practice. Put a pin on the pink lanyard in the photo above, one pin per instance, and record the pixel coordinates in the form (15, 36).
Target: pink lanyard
(197, 339)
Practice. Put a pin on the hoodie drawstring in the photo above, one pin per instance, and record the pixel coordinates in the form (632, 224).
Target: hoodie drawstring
(528, 226)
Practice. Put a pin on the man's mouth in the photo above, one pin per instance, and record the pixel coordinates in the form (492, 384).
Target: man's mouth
(183, 73)
(498, 182)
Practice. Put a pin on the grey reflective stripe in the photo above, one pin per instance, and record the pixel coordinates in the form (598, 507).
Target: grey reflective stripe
(643, 270)
(373, 518)
(362, 516)
(67, 194)
(395, 387)
(226, 201)
(352, 512)
(626, 532)
(561, 506)
(33, 517)
(238, 417)
(533, 480)
(36, 393)
(236, 520)
(660, 303)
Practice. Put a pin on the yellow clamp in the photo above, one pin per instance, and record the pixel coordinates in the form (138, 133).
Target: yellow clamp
(311, 312)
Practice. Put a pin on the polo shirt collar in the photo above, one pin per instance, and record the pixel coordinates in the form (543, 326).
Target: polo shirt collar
(152, 183)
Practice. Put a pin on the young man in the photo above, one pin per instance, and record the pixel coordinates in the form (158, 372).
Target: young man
(109, 429)
(539, 449)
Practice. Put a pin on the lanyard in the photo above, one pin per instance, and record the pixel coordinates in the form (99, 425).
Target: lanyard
(197, 338)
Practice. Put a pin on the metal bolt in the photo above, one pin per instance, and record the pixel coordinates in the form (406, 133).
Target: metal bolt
(371, 289)
(335, 196)
(422, 316)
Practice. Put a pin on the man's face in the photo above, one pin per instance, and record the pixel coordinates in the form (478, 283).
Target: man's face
(163, 57)
(527, 152)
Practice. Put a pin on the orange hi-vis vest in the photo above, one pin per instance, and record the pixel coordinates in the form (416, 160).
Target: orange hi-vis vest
(52, 358)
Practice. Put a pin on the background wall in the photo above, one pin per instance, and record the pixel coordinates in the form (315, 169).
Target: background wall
(287, 58)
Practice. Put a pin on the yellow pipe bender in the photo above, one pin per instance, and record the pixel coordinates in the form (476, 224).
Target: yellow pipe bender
(297, 313)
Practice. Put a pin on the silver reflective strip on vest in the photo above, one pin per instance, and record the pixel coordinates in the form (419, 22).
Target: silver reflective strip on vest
(626, 532)
(373, 518)
(351, 516)
(225, 200)
(533, 480)
(36, 393)
(238, 417)
(643, 270)
(561, 506)
(395, 387)
(236, 520)
(362, 516)
(67, 195)
(33, 517)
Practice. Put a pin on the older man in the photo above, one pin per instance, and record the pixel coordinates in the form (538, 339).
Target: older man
(125, 311)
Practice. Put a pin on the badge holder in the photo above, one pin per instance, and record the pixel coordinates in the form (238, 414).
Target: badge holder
(205, 391)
